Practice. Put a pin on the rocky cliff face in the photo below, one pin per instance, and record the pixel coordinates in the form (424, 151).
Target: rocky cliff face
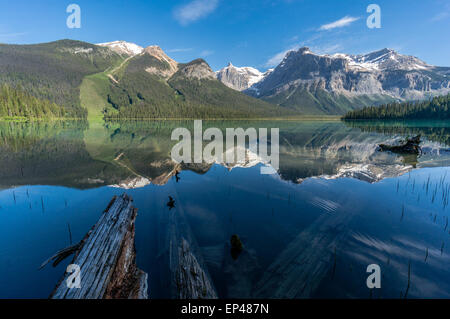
(197, 69)
(242, 78)
(333, 84)
(170, 65)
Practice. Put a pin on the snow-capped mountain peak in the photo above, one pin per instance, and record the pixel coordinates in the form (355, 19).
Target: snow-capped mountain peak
(123, 47)
(385, 59)
(359, 80)
(239, 78)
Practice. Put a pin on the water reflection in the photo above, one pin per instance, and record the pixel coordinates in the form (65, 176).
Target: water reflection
(135, 154)
(336, 206)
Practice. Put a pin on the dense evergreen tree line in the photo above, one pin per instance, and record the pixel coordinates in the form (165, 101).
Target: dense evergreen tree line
(317, 101)
(436, 108)
(17, 103)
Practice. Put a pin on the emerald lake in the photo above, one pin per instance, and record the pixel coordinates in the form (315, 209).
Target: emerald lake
(335, 206)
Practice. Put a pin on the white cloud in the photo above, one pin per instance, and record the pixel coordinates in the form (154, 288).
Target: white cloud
(206, 53)
(12, 35)
(441, 16)
(327, 49)
(345, 21)
(195, 10)
(179, 50)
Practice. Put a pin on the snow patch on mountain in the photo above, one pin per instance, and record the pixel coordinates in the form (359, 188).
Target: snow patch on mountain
(132, 183)
(123, 47)
(385, 59)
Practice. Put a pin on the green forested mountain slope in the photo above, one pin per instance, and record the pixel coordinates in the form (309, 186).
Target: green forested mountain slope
(53, 71)
(436, 108)
(70, 78)
(319, 102)
(73, 79)
(147, 89)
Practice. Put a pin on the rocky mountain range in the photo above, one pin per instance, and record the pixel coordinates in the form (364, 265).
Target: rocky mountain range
(240, 79)
(123, 80)
(150, 84)
(334, 84)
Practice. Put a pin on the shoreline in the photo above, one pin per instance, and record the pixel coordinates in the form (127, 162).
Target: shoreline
(325, 118)
(302, 118)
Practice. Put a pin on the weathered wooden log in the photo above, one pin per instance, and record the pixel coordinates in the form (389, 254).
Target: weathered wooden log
(410, 146)
(106, 258)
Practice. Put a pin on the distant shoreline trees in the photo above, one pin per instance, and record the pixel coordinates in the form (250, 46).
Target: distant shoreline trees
(436, 108)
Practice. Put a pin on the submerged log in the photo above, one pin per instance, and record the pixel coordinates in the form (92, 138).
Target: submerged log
(183, 270)
(410, 146)
(192, 280)
(106, 257)
(306, 261)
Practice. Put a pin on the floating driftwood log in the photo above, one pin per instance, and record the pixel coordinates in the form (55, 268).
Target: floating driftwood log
(106, 257)
(409, 146)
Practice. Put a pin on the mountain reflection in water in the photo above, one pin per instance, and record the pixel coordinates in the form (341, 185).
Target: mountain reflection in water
(335, 206)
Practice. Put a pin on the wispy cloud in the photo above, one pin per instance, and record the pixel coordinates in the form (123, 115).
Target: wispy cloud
(194, 11)
(345, 21)
(179, 50)
(326, 49)
(440, 16)
(206, 53)
(443, 14)
(316, 43)
(277, 58)
(12, 35)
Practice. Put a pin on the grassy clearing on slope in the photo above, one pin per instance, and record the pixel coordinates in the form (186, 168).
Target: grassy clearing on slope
(95, 88)
(94, 95)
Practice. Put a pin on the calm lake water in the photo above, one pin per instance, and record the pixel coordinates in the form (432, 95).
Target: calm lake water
(336, 206)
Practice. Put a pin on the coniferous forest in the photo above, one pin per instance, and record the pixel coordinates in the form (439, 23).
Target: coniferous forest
(18, 103)
(51, 73)
(436, 108)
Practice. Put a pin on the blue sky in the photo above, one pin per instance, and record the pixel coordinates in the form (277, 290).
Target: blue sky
(246, 32)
